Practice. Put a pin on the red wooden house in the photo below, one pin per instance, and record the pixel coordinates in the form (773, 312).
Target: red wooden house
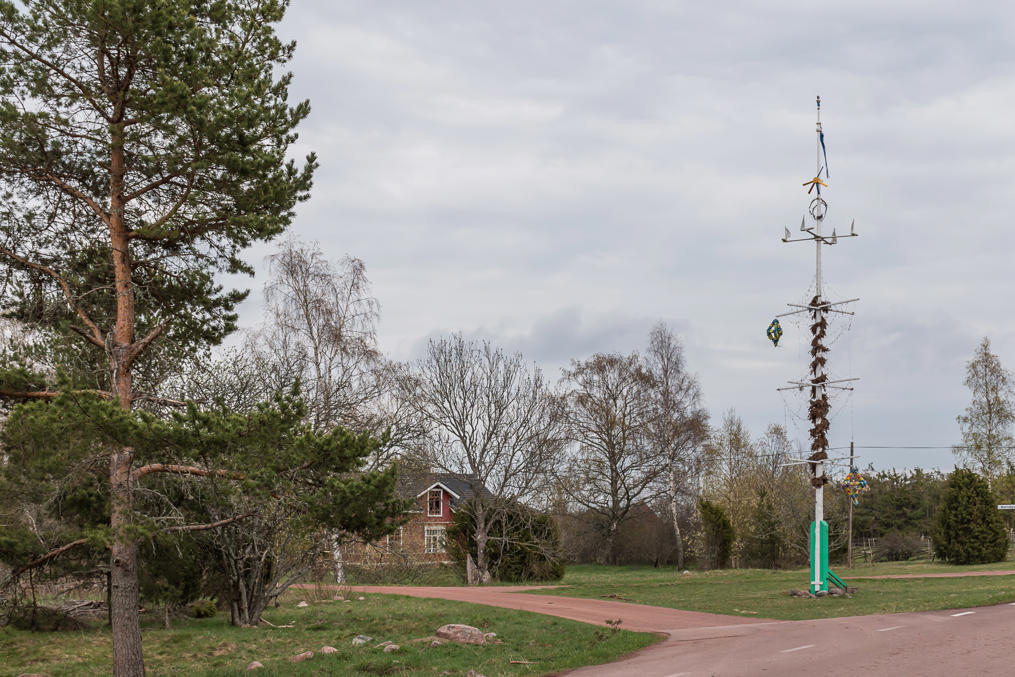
(422, 538)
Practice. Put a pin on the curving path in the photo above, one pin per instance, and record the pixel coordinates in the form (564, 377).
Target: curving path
(638, 617)
(930, 644)
(950, 574)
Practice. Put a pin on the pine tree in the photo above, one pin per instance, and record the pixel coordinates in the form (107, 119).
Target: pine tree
(718, 534)
(968, 528)
(142, 147)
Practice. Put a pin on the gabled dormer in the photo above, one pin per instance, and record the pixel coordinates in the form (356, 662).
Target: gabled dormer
(438, 501)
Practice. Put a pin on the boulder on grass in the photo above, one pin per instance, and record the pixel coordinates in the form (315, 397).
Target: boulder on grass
(328, 649)
(300, 657)
(360, 640)
(462, 634)
(255, 665)
(391, 648)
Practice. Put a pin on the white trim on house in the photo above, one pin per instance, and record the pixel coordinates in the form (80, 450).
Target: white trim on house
(437, 485)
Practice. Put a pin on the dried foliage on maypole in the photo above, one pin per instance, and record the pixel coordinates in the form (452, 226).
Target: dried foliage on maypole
(818, 410)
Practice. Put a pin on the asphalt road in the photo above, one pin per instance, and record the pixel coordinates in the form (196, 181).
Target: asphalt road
(953, 643)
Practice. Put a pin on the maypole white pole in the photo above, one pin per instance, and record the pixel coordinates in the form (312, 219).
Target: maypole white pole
(819, 498)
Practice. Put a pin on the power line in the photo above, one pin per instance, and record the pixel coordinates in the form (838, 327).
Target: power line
(918, 447)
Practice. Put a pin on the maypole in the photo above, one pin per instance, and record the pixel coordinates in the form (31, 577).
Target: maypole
(817, 381)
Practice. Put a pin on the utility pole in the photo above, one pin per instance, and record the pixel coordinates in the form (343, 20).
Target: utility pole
(817, 381)
(849, 545)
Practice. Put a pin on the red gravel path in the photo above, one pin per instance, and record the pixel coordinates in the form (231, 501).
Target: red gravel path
(944, 575)
(930, 644)
(639, 617)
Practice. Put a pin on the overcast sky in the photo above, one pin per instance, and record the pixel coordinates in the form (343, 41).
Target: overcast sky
(557, 176)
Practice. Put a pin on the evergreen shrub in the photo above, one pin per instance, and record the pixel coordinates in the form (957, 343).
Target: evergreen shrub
(969, 528)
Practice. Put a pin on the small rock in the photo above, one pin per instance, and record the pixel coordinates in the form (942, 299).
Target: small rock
(301, 605)
(821, 593)
(361, 598)
(338, 598)
(328, 649)
(685, 573)
(255, 665)
(436, 643)
(360, 640)
(489, 635)
(391, 647)
(836, 592)
(346, 600)
(300, 657)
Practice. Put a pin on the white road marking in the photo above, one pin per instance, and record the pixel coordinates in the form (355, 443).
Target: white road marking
(805, 646)
(964, 613)
(894, 627)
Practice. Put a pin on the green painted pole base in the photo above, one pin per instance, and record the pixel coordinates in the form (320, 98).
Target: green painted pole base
(819, 556)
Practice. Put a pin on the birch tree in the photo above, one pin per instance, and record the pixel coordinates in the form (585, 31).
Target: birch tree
(679, 424)
(987, 442)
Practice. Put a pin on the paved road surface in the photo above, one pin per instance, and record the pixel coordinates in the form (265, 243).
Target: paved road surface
(952, 643)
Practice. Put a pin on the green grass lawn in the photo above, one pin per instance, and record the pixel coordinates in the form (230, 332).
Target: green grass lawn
(213, 647)
(764, 594)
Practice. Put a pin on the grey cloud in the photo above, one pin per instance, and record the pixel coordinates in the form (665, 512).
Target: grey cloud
(556, 175)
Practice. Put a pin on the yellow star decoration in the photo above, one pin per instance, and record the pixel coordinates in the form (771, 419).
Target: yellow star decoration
(816, 181)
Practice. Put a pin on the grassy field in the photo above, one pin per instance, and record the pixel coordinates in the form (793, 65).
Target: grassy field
(764, 594)
(212, 647)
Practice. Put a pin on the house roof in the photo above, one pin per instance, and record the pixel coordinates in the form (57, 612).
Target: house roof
(460, 487)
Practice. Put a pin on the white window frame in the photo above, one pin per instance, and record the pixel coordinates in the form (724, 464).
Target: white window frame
(433, 540)
(439, 513)
(387, 539)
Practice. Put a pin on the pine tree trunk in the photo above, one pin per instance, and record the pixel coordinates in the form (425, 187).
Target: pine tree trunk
(128, 660)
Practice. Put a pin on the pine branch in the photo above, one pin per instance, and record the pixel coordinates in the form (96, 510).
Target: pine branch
(211, 525)
(42, 560)
(185, 470)
(96, 338)
(104, 394)
(14, 42)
